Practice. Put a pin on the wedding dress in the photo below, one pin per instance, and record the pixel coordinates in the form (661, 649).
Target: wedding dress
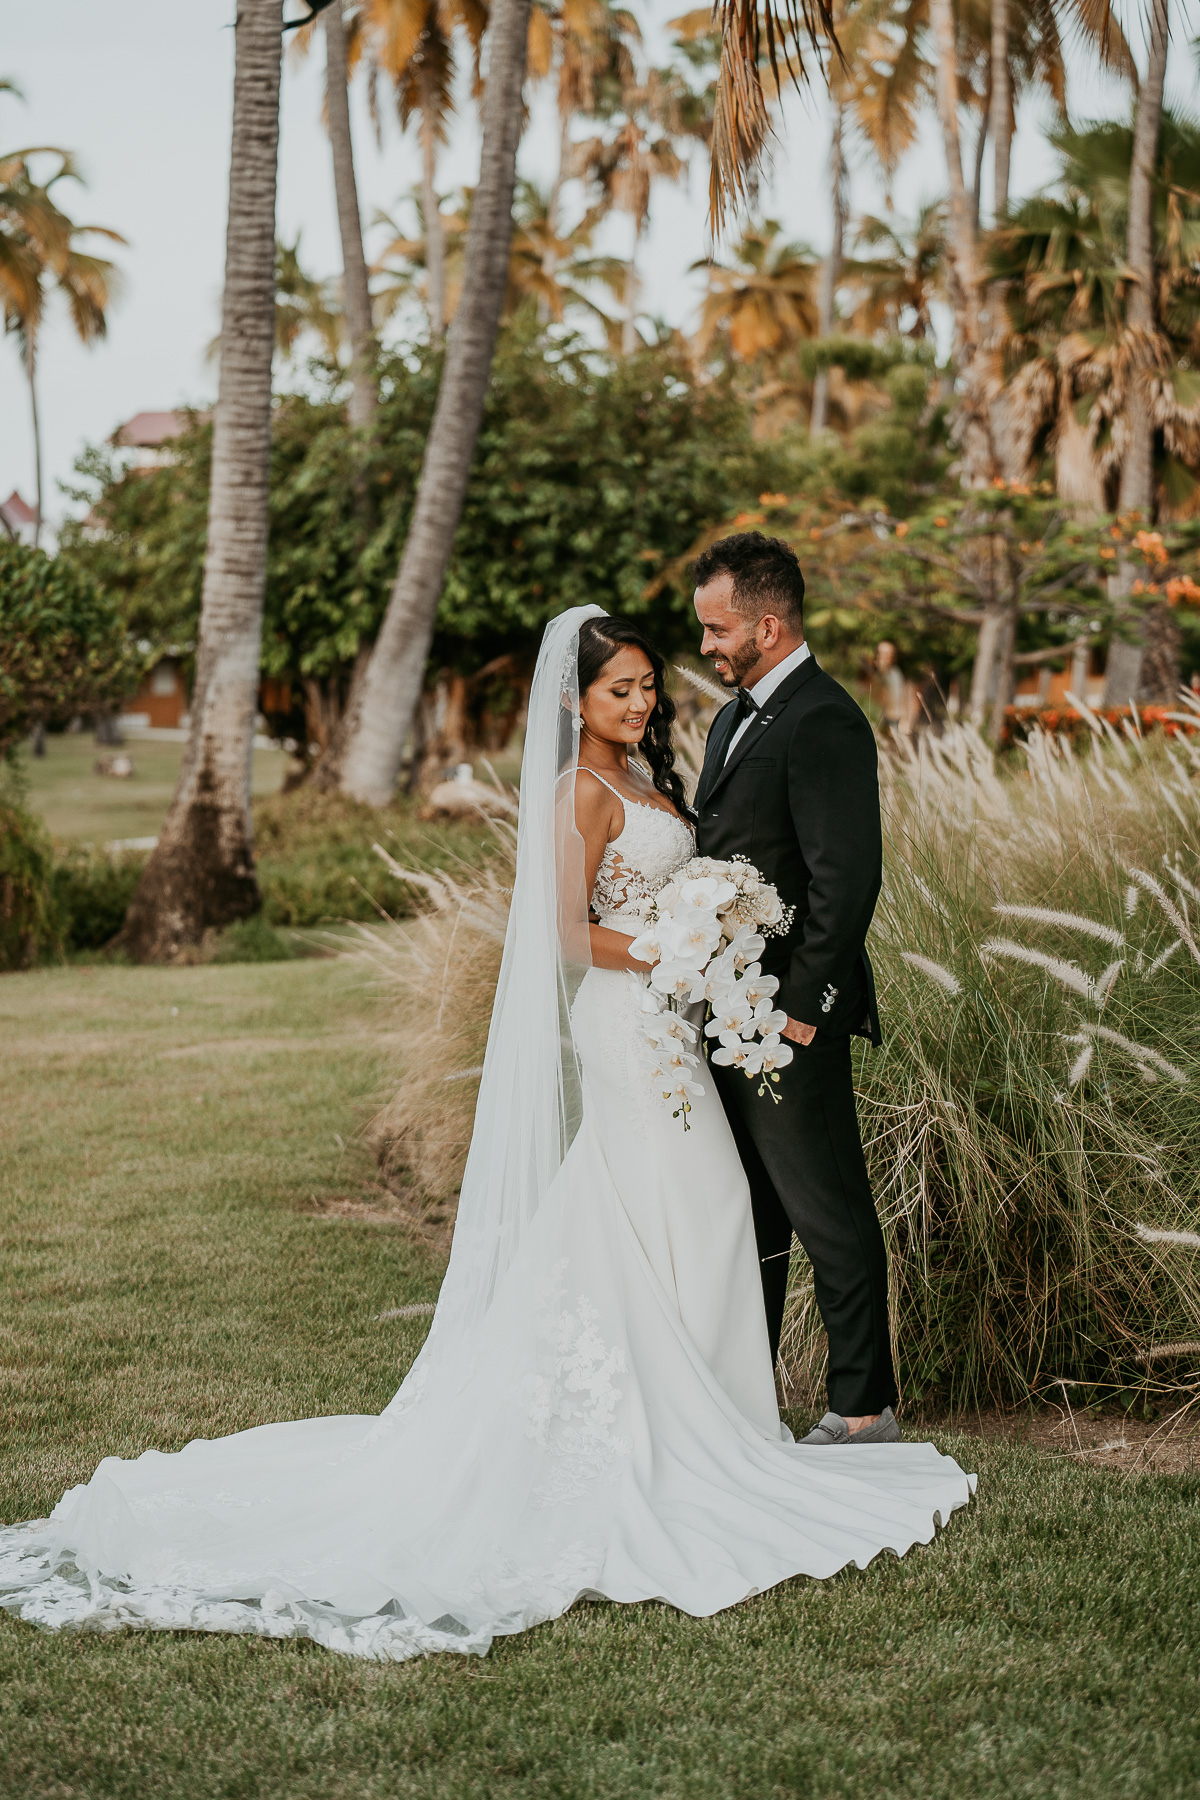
(594, 1411)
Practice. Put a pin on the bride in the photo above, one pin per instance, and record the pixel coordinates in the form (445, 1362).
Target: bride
(593, 1412)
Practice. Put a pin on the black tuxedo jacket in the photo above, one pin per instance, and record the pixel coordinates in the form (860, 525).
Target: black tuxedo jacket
(800, 798)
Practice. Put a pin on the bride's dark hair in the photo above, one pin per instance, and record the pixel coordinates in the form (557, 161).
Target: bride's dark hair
(599, 641)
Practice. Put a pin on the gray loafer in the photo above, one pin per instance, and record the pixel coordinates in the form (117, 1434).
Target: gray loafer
(833, 1429)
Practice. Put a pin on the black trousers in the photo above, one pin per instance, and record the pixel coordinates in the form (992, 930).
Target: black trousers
(807, 1173)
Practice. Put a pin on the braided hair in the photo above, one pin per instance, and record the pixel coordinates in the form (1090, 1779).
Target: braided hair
(599, 641)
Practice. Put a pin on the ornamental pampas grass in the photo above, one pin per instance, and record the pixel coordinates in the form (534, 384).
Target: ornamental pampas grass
(1025, 1155)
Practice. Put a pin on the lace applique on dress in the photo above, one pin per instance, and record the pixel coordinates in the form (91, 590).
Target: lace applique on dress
(651, 845)
(571, 1408)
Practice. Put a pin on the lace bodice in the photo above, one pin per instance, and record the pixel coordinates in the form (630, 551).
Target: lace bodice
(651, 845)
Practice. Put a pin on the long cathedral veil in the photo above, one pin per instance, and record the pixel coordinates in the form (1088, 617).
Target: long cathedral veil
(529, 1102)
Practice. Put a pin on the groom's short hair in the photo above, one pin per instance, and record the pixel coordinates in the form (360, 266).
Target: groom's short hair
(765, 572)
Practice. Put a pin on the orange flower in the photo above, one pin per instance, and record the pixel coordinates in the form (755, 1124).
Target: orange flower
(1108, 555)
(1183, 588)
(902, 531)
(746, 518)
(1151, 546)
(772, 499)
(942, 522)
(814, 534)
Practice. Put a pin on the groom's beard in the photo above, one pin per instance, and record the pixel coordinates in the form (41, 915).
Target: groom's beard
(739, 664)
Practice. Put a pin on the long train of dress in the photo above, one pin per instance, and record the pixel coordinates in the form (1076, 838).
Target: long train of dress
(610, 1430)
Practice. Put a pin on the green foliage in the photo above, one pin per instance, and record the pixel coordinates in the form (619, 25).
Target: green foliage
(92, 889)
(316, 865)
(862, 359)
(30, 919)
(63, 645)
(252, 941)
(590, 475)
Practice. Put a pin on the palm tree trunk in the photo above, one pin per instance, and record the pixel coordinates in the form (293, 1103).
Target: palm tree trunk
(202, 872)
(972, 431)
(1001, 109)
(435, 235)
(1137, 467)
(356, 294)
(831, 268)
(977, 184)
(388, 695)
(629, 330)
(31, 374)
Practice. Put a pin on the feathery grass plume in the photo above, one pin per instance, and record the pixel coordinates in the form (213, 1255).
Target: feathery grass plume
(1045, 915)
(1164, 957)
(1180, 879)
(1132, 895)
(934, 970)
(1082, 1063)
(1162, 1352)
(1068, 973)
(1155, 888)
(1138, 1052)
(1149, 1235)
(712, 690)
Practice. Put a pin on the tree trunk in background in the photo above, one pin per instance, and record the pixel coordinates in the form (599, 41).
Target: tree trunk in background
(629, 330)
(971, 427)
(356, 295)
(1000, 119)
(831, 268)
(977, 184)
(435, 234)
(202, 872)
(1158, 676)
(31, 373)
(387, 698)
(1137, 468)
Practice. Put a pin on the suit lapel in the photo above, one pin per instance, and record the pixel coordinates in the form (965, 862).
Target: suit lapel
(758, 727)
(714, 751)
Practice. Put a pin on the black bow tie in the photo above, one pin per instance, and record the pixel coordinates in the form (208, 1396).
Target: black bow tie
(747, 704)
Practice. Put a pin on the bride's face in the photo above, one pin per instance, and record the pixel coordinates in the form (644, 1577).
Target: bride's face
(619, 702)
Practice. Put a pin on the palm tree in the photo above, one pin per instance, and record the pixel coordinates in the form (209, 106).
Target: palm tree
(892, 289)
(39, 251)
(379, 714)
(343, 50)
(202, 872)
(622, 165)
(1137, 466)
(763, 300)
(403, 261)
(356, 293)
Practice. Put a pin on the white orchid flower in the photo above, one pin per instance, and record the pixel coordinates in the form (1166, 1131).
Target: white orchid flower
(752, 1064)
(683, 1090)
(691, 937)
(733, 1052)
(728, 1019)
(746, 946)
(774, 1053)
(757, 987)
(666, 898)
(718, 986)
(767, 1019)
(708, 892)
(648, 947)
(668, 1029)
(675, 979)
(648, 1001)
(678, 1059)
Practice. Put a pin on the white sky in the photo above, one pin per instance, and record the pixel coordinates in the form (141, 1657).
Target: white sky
(141, 91)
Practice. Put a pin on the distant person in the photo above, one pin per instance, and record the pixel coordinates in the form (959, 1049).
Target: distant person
(893, 689)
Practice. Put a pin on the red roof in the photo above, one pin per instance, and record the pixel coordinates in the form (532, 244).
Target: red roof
(16, 512)
(147, 430)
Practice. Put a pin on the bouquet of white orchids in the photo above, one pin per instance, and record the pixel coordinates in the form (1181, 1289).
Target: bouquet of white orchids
(704, 932)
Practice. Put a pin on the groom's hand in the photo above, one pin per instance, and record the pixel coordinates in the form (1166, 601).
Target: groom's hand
(799, 1034)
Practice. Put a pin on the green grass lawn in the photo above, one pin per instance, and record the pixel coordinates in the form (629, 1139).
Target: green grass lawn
(79, 806)
(161, 1134)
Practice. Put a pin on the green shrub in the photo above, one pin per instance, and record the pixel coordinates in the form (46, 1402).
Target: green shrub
(316, 864)
(30, 919)
(63, 643)
(252, 941)
(93, 888)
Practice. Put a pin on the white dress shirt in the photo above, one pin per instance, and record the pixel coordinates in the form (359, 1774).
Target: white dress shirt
(762, 690)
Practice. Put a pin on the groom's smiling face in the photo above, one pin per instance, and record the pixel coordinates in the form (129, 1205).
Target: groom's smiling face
(742, 647)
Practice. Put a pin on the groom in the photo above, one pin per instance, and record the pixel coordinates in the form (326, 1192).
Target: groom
(790, 782)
